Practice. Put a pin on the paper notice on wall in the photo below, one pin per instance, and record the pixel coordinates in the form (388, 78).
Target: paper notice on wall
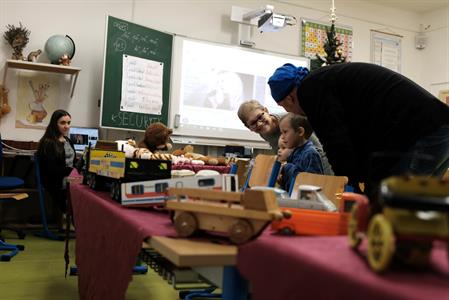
(386, 50)
(141, 85)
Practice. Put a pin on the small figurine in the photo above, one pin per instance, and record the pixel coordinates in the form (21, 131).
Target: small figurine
(33, 55)
(64, 60)
(17, 37)
(5, 108)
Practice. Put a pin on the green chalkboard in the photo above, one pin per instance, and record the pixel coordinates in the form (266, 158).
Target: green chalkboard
(126, 39)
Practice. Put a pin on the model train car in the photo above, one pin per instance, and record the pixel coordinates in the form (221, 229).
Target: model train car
(154, 192)
(108, 167)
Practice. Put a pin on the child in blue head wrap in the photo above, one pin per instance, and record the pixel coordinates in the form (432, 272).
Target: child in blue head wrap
(284, 79)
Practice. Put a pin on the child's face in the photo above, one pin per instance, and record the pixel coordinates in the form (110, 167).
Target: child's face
(289, 136)
(283, 152)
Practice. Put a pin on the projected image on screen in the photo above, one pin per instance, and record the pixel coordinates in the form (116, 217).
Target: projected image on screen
(212, 80)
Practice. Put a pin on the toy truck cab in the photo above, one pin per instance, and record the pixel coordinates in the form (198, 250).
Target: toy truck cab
(415, 212)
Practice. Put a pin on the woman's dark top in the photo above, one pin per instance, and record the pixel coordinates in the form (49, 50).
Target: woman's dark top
(357, 109)
(53, 167)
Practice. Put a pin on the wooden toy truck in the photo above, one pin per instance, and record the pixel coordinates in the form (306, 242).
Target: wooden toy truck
(415, 212)
(241, 216)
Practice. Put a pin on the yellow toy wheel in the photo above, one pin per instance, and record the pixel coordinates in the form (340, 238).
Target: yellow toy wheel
(381, 243)
(353, 234)
(185, 224)
(241, 232)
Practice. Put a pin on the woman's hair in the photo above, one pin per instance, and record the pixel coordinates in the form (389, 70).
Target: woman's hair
(50, 139)
(298, 121)
(246, 107)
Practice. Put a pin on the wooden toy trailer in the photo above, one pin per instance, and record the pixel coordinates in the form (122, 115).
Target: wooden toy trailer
(241, 216)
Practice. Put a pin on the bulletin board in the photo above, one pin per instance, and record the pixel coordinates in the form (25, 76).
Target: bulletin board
(143, 48)
(313, 37)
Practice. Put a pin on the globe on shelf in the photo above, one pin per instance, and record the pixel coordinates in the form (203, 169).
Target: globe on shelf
(58, 46)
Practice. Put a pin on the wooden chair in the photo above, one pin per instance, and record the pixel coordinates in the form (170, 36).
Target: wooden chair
(264, 171)
(331, 185)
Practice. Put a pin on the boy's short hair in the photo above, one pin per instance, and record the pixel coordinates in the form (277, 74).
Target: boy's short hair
(246, 107)
(297, 121)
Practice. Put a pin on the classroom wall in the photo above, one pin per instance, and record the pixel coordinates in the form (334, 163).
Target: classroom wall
(84, 21)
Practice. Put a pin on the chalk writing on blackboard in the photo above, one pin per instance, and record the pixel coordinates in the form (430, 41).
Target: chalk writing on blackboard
(120, 45)
(129, 119)
(122, 26)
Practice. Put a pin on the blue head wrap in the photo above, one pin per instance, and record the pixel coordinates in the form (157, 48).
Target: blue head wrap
(284, 79)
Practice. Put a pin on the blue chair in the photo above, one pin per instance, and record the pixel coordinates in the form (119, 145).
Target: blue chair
(7, 186)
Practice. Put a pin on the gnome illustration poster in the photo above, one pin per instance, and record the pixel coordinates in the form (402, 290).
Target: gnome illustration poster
(37, 98)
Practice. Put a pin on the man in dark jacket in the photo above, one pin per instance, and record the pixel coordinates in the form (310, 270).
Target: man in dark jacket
(359, 110)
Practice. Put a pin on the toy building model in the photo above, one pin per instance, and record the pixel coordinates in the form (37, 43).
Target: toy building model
(241, 216)
(414, 214)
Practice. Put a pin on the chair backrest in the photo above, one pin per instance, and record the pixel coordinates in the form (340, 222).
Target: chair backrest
(329, 184)
(264, 171)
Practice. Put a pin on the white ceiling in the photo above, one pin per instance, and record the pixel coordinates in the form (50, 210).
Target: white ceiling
(419, 6)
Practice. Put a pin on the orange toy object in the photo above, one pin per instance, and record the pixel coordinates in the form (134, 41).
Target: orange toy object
(316, 222)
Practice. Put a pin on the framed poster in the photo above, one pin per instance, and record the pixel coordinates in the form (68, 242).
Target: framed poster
(386, 50)
(313, 37)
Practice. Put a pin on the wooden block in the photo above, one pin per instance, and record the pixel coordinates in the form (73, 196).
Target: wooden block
(187, 253)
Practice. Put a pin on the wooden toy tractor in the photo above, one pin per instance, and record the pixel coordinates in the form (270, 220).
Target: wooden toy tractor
(415, 212)
(241, 216)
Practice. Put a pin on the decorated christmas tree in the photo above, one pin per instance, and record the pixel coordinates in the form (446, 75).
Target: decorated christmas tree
(334, 54)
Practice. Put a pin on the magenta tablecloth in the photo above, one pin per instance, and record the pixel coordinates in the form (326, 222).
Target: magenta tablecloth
(108, 240)
(326, 268)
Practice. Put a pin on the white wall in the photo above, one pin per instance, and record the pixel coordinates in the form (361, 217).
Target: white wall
(84, 21)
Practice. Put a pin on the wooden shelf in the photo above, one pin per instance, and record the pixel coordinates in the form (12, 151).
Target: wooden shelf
(41, 67)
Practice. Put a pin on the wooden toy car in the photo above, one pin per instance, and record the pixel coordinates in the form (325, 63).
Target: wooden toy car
(414, 214)
(318, 222)
(241, 216)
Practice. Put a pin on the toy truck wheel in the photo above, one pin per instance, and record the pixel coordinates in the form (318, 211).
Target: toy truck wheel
(286, 231)
(381, 243)
(185, 224)
(241, 232)
(115, 191)
(353, 234)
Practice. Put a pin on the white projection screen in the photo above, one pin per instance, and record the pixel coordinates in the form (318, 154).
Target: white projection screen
(210, 81)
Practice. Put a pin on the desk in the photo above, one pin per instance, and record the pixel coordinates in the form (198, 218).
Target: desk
(109, 238)
(326, 268)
